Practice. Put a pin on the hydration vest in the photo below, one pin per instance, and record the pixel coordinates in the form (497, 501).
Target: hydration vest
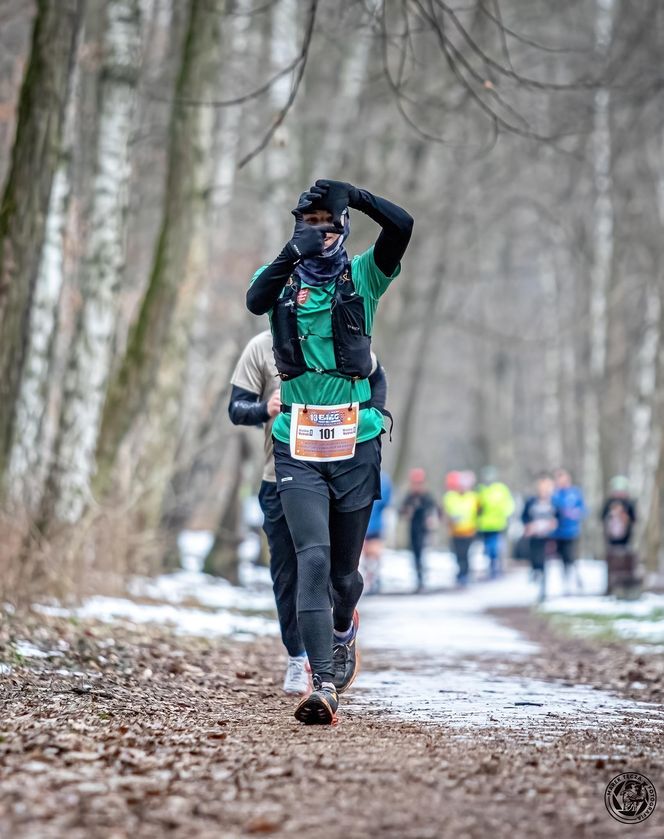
(352, 345)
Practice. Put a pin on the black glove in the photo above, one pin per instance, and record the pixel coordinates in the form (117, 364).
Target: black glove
(335, 196)
(308, 239)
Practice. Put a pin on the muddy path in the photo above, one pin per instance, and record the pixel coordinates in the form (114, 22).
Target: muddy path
(134, 732)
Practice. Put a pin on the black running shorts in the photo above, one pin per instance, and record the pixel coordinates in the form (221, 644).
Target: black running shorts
(349, 484)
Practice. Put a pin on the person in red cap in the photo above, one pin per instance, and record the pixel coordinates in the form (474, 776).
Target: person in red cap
(421, 510)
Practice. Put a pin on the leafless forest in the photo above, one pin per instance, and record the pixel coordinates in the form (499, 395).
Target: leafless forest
(150, 152)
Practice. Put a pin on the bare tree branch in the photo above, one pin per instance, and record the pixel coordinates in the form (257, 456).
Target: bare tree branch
(281, 116)
(530, 42)
(524, 81)
(238, 100)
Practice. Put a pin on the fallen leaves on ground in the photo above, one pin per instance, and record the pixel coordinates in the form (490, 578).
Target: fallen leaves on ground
(134, 732)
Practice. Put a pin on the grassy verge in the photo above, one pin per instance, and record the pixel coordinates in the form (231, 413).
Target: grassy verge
(647, 629)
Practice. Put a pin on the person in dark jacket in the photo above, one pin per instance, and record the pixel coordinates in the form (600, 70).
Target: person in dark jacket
(618, 513)
(421, 510)
(618, 521)
(540, 520)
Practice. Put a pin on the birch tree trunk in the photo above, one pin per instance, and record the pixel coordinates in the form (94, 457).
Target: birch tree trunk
(645, 436)
(101, 272)
(651, 506)
(330, 158)
(222, 561)
(145, 397)
(30, 449)
(27, 194)
(552, 361)
(230, 119)
(282, 153)
(208, 373)
(603, 229)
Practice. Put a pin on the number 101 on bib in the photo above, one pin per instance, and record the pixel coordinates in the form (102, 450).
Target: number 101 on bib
(324, 432)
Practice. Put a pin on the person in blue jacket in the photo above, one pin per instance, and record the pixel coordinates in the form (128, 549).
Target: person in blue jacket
(571, 511)
(373, 541)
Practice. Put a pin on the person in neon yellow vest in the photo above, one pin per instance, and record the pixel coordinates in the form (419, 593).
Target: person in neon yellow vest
(496, 505)
(460, 505)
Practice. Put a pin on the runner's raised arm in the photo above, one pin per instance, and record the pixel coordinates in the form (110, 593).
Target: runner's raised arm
(309, 240)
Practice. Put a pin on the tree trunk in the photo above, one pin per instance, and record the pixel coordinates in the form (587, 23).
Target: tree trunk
(645, 434)
(145, 395)
(335, 140)
(551, 418)
(228, 139)
(32, 434)
(600, 276)
(211, 357)
(421, 352)
(282, 153)
(27, 194)
(101, 272)
(222, 561)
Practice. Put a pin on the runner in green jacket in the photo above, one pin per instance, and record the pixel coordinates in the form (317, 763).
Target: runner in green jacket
(327, 439)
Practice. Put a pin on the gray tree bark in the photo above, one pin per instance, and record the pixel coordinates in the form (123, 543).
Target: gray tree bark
(101, 272)
(600, 276)
(32, 434)
(144, 407)
(27, 194)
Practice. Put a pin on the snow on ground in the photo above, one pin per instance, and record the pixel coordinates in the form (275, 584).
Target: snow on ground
(28, 650)
(435, 647)
(463, 695)
(185, 620)
(452, 621)
(215, 593)
(633, 620)
(611, 606)
(190, 601)
(198, 604)
(438, 649)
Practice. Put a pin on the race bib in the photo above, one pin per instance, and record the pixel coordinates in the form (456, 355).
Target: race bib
(323, 432)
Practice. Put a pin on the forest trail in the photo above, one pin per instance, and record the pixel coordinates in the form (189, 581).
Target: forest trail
(134, 731)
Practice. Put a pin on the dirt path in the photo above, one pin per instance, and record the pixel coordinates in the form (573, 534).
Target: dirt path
(137, 733)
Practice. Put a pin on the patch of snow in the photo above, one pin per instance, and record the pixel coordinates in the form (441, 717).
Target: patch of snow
(448, 623)
(463, 697)
(187, 621)
(206, 590)
(631, 616)
(249, 549)
(640, 630)
(641, 608)
(28, 650)
(255, 576)
(5, 669)
(194, 546)
(648, 649)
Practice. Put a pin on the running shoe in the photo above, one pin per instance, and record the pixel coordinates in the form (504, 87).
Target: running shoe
(297, 678)
(346, 658)
(320, 707)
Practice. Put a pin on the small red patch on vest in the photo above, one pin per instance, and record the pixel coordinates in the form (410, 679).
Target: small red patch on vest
(302, 296)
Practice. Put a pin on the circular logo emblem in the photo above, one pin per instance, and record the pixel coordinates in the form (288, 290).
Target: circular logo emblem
(630, 798)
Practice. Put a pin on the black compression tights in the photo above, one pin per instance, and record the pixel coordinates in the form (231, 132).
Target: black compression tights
(328, 546)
